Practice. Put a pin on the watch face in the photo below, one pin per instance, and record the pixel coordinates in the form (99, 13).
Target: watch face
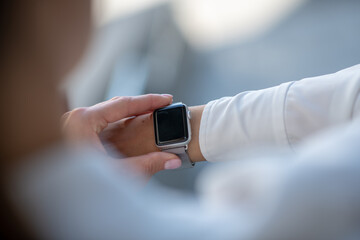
(171, 125)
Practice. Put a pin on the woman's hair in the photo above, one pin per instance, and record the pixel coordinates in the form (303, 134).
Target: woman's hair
(12, 16)
(11, 226)
(7, 13)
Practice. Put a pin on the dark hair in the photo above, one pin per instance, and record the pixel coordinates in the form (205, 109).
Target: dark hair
(12, 15)
(7, 12)
(10, 224)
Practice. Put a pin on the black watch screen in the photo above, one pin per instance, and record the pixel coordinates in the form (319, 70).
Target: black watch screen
(170, 125)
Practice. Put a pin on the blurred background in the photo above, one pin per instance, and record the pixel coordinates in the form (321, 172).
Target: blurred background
(201, 50)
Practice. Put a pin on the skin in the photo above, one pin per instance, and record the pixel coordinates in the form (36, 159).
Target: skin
(135, 136)
(86, 124)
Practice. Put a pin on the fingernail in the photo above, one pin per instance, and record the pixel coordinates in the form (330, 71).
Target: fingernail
(172, 164)
(167, 95)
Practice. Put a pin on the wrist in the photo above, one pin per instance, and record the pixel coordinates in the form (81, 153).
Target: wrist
(194, 150)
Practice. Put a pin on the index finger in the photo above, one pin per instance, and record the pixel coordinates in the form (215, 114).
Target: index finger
(121, 107)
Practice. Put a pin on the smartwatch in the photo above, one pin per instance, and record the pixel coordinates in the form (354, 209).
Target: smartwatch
(173, 131)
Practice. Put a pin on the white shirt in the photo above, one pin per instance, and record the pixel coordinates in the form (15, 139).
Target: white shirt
(312, 193)
(280, 116)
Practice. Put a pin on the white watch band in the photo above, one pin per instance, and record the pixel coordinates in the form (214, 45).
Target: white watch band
(181, 152)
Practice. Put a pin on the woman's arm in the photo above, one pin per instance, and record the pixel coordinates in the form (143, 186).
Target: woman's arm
(279, 116)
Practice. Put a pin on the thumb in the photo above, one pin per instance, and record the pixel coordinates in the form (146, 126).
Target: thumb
(152, 163)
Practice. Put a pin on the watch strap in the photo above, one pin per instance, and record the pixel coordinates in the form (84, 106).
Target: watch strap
(181, 152)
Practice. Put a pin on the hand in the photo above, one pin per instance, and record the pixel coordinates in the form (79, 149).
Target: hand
(85, 124)
(135, 136)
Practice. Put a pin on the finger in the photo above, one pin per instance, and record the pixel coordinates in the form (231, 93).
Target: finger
(152, 163)
(65, 116)
(120, 107)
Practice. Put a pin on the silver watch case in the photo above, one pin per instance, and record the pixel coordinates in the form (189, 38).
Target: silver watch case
(176, 144)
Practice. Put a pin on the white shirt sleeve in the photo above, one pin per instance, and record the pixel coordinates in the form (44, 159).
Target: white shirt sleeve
(281, 115)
